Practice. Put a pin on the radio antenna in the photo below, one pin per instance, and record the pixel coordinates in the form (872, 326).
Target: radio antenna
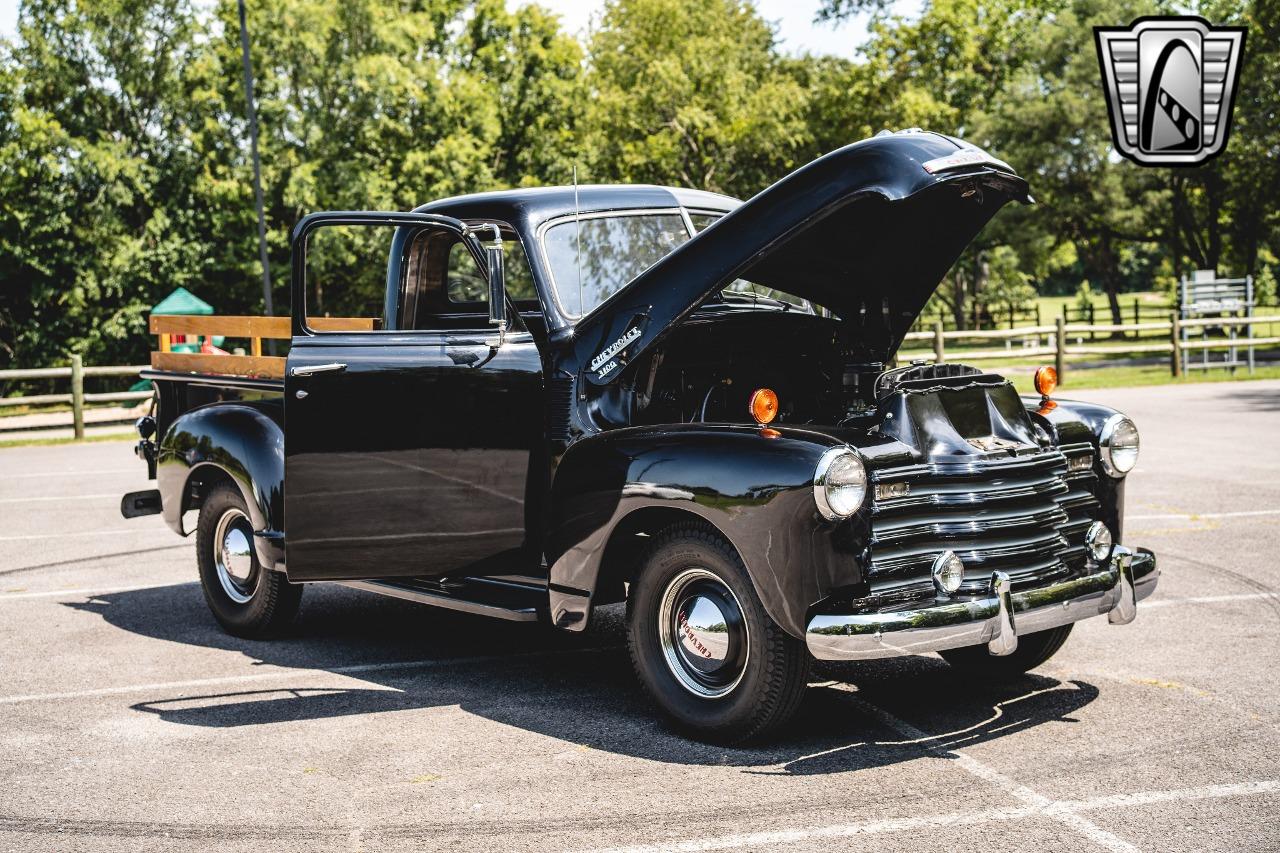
(577, 230)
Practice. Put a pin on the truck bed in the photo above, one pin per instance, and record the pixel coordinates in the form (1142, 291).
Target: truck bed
(172, 330)
(178, 393)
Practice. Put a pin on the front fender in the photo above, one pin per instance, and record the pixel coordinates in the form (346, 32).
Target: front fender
(241, 440)
(756, 490)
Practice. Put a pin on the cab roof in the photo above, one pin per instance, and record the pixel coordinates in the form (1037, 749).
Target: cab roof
(527, 208)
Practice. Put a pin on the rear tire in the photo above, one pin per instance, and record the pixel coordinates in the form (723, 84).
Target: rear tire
(715, 663)
(1033, 650)
(246, 599)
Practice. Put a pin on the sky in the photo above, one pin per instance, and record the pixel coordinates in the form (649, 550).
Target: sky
(794, 18)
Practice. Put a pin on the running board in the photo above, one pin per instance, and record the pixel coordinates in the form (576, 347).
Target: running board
(513, 602)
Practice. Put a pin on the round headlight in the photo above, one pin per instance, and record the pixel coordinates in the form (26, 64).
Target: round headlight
(839, 484)
(948, 572)
(1119, 445)
(1098, 541)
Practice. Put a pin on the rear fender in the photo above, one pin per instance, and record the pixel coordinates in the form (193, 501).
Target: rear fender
(757, 491)
(240, 442)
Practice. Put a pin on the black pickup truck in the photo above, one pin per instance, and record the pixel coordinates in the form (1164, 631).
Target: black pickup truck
(579, 396)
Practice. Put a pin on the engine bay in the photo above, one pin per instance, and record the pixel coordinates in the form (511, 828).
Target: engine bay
(707, 369)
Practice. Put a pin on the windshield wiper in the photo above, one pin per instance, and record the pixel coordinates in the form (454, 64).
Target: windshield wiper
(755, 298)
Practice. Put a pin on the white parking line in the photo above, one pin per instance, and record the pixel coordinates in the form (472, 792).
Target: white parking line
(82, 593)
(1015, 789)
(906, 824)
(31, 536)
(1194, 516)
(849, 830)
(275, 675)
(102, 471)
(1148, 798)
(60, 498)
(1209, 599)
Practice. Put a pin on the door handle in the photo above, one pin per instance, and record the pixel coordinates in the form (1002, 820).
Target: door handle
(312, 369)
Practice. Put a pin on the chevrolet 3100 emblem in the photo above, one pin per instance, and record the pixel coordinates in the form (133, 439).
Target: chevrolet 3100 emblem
(1170, 84)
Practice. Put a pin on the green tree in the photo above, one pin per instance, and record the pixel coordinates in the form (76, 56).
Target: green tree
(377, 104)
(692, 94)
(94, 174)
(1009, 288)
(1224, 212)
(123, 144)
(529, 75)
(1050, 120)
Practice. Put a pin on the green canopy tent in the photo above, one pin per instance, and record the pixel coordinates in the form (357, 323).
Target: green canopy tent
(181, 301)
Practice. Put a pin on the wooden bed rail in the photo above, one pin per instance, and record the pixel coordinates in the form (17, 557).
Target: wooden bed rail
(255, 329)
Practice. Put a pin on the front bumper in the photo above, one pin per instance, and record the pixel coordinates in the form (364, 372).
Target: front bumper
(997, 620)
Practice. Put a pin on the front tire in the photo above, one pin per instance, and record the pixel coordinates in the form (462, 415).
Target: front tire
(704, 648)
(246, 599)
(1033, 650)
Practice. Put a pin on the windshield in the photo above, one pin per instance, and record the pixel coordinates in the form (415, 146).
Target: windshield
(593, 257)
(616, 248)
(741, 289)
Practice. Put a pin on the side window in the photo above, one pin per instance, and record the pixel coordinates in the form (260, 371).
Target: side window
(346, 270)
(702, 220)
(464, 282)
(378, 277)
(447, 287)
(520, 285)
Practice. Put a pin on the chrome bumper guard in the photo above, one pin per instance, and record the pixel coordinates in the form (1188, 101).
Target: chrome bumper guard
(997, 620)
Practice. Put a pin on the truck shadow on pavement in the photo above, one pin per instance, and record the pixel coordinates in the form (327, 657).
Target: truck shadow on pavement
(1256, 399)
(577, 688)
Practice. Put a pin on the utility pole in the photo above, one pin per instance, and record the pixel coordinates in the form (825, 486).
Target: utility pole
(257, 166)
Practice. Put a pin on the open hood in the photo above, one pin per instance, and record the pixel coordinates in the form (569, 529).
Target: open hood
(867, 231)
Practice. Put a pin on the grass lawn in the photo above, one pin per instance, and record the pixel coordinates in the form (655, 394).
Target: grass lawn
(1051, 306)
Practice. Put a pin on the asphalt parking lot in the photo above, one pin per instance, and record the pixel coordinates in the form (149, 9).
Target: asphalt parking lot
(129, 721)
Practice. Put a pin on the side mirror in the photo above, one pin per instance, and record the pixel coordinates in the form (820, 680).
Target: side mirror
(497, 285)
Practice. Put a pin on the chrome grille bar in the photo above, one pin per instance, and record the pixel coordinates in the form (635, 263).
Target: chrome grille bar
(1025, 515)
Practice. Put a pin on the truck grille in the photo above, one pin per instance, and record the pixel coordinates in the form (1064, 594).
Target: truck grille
(1024, 515)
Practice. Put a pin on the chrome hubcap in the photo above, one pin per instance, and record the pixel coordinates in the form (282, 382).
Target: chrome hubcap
(233, 556)
(704, 637)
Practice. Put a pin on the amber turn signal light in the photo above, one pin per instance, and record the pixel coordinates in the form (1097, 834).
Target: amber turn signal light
(764, 405)
(1046, 380)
